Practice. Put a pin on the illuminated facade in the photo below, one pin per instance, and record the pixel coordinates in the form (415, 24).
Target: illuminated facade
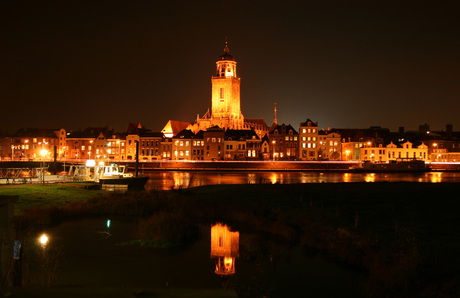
(308, 144)
(35, 144)
(329, 145)
(284, 142)
(224, 248)
(242, 145)
(393, 152)
(91, 143)
(150, 146)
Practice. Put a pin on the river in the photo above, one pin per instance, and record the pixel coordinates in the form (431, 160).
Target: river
(184, 179)
(91, 256)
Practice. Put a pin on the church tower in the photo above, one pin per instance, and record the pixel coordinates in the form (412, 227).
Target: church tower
(226, 111)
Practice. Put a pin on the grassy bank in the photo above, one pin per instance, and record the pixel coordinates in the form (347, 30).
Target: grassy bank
(55, 195)
(404, 236)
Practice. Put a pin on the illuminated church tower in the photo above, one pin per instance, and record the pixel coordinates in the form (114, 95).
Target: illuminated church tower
(226, 93)
(226, 111)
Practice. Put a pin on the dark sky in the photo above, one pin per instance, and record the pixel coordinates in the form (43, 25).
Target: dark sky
(346, 64)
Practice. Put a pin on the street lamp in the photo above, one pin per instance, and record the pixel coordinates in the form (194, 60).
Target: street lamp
(43, 153)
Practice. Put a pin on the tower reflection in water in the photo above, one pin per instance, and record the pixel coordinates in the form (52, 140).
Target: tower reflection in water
(224, 248)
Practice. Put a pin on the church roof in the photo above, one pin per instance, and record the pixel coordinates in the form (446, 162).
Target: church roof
(226, 55)
(256, 121)
(174, 127)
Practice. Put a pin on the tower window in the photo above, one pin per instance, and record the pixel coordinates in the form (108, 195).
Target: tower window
(221, 93)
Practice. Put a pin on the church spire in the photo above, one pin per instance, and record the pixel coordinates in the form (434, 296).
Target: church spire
(275, 121)
(226, 49)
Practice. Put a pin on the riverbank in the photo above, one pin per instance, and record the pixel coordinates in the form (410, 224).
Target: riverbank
(403, 236)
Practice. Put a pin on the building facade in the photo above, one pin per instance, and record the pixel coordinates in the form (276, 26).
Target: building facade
(308, 144)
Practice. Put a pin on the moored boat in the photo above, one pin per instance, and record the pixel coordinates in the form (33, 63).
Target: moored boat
(103, 174)
(400, 165)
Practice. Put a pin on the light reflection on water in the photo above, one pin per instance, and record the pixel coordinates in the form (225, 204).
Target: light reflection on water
(177, 180)
(271, 265)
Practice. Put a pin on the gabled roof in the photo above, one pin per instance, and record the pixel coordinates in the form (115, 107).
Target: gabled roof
(133, 128)
(265, 139)
(237, 134)
(184, 134)
(36, 133)
(282, 129)
(174, 127)
(308, 122)
(91, 132)
(199, 134)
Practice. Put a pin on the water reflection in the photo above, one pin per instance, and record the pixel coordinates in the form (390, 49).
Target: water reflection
(43, 240)
(178, 180)
(224, 248)
(370, 177)
(436, 177)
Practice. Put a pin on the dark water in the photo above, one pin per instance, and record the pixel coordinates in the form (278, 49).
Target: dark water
(93, 257)
(168, 180)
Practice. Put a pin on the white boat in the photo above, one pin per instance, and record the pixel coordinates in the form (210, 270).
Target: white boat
(114, 174)
(111, 174)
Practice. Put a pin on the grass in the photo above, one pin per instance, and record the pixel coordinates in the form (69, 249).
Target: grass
(48, 195)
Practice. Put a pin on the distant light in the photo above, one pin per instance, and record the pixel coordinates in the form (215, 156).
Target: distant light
(428, 132)
(43, 239)
(108, 223)
(90, 163)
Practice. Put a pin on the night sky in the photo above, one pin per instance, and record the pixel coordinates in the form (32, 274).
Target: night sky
(344, 64)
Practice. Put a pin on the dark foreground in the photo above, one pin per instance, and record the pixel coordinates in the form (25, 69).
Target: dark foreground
(403, 237)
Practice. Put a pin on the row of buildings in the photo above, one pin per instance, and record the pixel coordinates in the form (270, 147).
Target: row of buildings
(282, 142)
(223, 133)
